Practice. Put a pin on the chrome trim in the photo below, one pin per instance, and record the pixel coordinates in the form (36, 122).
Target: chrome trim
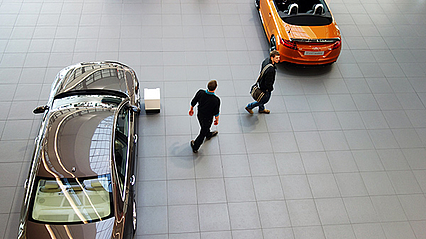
(328, 40)
(132, 180)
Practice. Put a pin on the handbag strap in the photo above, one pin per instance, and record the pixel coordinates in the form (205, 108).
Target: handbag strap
(263, 71)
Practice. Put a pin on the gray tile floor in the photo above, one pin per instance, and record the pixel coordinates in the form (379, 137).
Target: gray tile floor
(342, 155)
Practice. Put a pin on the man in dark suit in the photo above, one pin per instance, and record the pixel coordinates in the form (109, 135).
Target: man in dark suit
(208, 108)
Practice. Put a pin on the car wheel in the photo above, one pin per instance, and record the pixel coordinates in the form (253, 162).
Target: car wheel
(272, 44)
(135, 223)
(256, 4)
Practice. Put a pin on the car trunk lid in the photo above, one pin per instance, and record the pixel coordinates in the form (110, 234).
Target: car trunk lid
(312, 38)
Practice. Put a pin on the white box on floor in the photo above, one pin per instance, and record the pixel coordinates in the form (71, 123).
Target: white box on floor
(152, 99)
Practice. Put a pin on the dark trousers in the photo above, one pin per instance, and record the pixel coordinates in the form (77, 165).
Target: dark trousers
(205, 124)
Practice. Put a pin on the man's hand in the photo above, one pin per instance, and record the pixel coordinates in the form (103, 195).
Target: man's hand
(191, 111)
(216, 120)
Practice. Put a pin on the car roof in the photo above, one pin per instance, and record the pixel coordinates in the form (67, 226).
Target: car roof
(93, 76)
(77, 143)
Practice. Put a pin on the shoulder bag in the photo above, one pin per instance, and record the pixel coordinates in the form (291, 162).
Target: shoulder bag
(255, 90)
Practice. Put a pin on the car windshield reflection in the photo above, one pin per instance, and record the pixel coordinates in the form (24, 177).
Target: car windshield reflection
(86, 101)
(70, 200)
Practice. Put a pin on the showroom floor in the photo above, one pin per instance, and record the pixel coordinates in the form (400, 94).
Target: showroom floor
(341, 156)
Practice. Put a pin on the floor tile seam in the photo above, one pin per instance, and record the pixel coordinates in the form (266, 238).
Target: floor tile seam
(10, 100)
(14, 161)
(351, 95)
(367, 94)
(189, 155)
(309, 185)
(338, 188)
(13, 27)
(324, 148)
(369, 221)
(6, 119)
(375, 95)
(392, 170)
(393, 90)
(317, 126)
(275, 175)
(404, 72)
(224, 186)
(8, 222)
(271, 140)
(32, 37)
(397, 196)
(381, 113)
(372, 195)
(198, 203)
(286, 201)
(409, 171)
(334, 174)
(217, 231)
(253, 188)
(29, 137)
(392, 130)
(420, 99)
(213, 203)
(30, 147)
(10, 187)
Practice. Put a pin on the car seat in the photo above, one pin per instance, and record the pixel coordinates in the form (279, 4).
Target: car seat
(318, 9)
(293, 9)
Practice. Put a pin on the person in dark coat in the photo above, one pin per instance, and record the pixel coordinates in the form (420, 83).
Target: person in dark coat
(266, 82)
(208, 108)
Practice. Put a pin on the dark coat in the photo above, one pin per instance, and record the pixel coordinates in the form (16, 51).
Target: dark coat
(268, 78)
(208, 104)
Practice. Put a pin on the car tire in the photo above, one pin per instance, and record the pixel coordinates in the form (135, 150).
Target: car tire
(256, 4)
(272, 44)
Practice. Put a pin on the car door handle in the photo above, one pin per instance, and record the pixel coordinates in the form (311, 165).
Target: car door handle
(132, 180)
(135, 138)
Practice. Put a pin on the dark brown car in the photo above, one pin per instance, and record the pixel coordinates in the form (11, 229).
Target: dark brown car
(81, 182)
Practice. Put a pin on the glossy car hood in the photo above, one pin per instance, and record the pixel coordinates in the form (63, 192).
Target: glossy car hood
(96, 230)
(312, 32)
(77, 143)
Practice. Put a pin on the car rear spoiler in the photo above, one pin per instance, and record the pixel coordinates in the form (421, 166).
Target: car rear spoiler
(327, 40)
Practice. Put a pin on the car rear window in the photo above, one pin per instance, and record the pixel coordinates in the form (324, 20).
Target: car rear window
(70, 200)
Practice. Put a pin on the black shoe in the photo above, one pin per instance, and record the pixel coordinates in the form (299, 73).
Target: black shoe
(192, 146)
(214, 133)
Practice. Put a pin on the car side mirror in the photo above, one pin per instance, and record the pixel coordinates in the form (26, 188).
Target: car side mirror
(40, 109)
(135, 109)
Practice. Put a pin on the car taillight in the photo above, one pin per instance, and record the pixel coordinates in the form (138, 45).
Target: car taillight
(336, 45)
(288, 44)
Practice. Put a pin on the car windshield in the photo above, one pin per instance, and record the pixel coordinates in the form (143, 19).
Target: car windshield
(86, 101)
(71, 200)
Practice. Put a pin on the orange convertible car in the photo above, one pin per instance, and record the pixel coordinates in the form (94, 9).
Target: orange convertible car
(303, 31)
